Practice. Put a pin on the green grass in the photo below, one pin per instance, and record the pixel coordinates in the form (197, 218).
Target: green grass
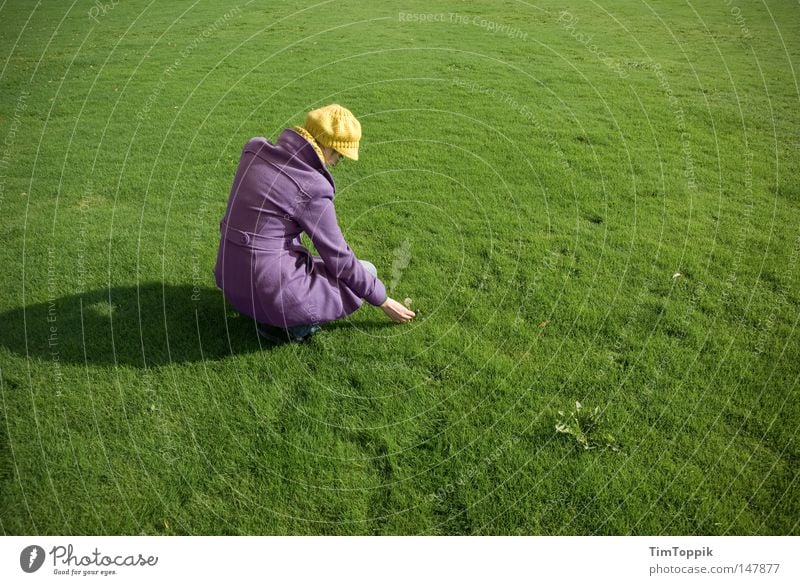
(545, 195)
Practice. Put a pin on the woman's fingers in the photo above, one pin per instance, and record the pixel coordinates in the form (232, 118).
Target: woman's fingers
(406, 315)
(398, 313)
(405, 312)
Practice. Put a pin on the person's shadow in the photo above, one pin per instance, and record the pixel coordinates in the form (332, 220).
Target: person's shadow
(151, 325)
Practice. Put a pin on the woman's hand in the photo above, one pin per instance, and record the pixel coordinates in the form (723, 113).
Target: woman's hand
(397, 312)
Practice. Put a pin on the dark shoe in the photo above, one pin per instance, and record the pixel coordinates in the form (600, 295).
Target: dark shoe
(303, 332)
(279, 335)
(276, 335)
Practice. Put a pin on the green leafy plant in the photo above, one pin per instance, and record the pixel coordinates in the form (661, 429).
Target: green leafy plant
(584, 427)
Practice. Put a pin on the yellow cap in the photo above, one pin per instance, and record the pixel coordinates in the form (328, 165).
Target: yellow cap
(335, 127)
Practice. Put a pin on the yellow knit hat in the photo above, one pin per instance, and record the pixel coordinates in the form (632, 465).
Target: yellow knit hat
(335, 127)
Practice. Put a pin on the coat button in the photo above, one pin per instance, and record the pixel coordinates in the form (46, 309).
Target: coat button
(245, 239)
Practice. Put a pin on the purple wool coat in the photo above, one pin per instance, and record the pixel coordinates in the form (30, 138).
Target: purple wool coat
(263, 269)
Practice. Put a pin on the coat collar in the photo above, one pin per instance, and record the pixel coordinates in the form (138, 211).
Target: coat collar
(299, 148)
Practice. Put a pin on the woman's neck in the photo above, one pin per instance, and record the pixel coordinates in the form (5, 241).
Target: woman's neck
(307, 135)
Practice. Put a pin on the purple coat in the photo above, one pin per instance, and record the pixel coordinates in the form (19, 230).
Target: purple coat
(263, 269)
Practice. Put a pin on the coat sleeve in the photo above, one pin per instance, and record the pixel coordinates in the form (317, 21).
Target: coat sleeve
(317, 217)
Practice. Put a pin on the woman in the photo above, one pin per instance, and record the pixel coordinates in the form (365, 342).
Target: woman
(279, 191)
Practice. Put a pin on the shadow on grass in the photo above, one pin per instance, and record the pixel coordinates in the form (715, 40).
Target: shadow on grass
(152, 325)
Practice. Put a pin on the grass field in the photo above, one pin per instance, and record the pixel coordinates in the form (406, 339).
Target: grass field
(592, 202)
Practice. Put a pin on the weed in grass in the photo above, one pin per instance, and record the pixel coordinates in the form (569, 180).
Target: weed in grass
(585, 427)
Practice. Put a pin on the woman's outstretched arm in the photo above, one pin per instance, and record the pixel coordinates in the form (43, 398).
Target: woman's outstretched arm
(317, 217)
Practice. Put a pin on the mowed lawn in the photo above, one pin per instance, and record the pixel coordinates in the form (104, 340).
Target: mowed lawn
(598, 205)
